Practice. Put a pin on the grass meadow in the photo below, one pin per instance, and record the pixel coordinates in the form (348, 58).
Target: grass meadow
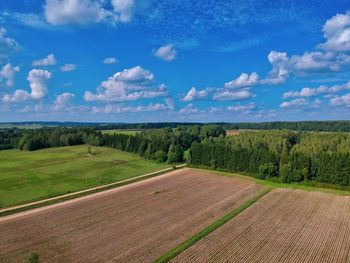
(31, 176)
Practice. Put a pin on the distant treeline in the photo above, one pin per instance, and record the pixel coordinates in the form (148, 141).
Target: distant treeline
(330, 126)
(31, 140)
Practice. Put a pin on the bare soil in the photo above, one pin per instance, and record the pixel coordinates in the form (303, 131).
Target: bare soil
(134, 223)
(283, 226)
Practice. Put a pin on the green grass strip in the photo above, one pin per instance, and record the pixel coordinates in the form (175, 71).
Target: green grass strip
(209, 229)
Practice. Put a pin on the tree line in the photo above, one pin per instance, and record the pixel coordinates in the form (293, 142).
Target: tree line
(284, 155)
(329, 126)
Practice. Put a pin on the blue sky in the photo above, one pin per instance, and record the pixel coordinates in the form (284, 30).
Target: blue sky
(142, 61)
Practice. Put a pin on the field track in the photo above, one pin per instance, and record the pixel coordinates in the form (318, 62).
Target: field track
(133, 223)
(283, 226)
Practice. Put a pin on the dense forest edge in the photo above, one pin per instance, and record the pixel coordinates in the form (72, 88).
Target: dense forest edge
(279, 155)
(325, 126)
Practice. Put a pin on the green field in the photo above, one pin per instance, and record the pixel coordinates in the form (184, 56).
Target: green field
(30, 176)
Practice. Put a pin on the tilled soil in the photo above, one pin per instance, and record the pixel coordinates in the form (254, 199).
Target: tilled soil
(283, 226)
(134, 223)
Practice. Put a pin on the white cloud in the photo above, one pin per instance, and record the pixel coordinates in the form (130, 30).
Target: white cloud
(7, 45)
(62, 102)
(27, 19)
(340, 100)
(68, 67)
(124, 9)
(301, 103)
(224, 94)
(128, 85)
(110, 60)
(62, 12)
(7, 74)
(190, 108)
(166, 53)
(310, 92)
(50, 60)
(83, 12)
(337, 33)
(244, 80)
(246, 108)
(38, 79)
(110, 108)
(193, 94)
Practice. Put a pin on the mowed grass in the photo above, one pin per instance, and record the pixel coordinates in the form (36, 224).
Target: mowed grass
(31, 176)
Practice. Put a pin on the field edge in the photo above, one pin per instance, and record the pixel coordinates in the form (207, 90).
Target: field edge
(211, 228)
(86, 192)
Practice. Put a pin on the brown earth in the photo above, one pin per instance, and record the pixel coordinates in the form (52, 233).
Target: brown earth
(233, 132)
(134, 223)
(283, 226)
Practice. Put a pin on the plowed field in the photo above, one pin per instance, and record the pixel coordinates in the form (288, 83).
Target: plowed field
(283, 226)
(133, 223)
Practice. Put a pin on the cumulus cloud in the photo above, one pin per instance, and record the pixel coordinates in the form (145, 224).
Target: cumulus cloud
(166, 53)
(7, 74)
(340, 100)
(246, 108)
(110, 60)
(50, 60)
(311, 92)
(112, 108)
(128, 85)
(244, 80)
(83, 12)
(62, 102)
(224, 94)
(68, 67)
(7, 45)
(301, 103)
(336, 30)
(38, 81)
(124, 9)
(190, 108)
(193, 93)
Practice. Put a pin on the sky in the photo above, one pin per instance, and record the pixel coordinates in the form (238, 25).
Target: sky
(165, 60)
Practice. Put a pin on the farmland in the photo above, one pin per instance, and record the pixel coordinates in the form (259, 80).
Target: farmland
(283, 226)
(28, 176)
(134, 223)
(126, 132)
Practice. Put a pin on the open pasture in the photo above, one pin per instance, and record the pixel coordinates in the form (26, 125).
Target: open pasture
(133, 223)
(30, 176)
(283, 226)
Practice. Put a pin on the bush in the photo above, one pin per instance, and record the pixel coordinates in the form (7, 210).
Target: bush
(33, 258)
(160, 156)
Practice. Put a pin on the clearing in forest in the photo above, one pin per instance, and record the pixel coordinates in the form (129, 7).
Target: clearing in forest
(134, 223)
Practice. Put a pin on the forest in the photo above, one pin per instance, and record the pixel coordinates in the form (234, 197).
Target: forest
(331, 126)
(283, 155)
